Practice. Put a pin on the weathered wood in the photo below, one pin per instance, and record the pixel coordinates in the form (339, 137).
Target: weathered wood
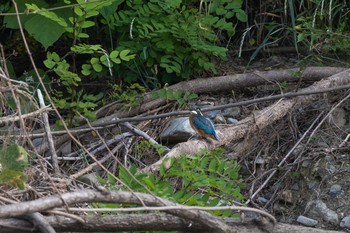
(148, 222)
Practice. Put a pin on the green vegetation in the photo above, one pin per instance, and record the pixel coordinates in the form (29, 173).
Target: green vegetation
(178, 95)
(201, 180)
(122, 44)
(13, 161)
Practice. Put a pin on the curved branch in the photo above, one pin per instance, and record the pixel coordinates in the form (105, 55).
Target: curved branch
(87, 195)
(149, 222)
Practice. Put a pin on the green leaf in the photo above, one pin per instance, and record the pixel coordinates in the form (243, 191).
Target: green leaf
(154, 94)
(170, 94)
(13, 178)
(124, 55)
(14, 157)
(87, 24)
(111, 179)
(82, 35)
(47, 14)
(124, 176)
(241, 15)
(212, 165)
(97, 67)
(44, 30)
(114, 57)
(235, 4)
(214, 202)
(10, 21)
(204, 163)
(86, 69)
(78, 11)
(162, 94)
(220, 11)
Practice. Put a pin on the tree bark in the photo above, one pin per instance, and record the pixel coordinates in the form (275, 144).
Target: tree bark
(148, 222)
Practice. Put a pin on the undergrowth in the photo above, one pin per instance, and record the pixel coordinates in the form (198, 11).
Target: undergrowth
(209, 179)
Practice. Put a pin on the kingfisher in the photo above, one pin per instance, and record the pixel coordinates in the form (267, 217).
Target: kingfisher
(202, 125)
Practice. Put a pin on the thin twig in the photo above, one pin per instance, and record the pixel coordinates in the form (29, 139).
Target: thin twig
(45, 119)
(11, 119)
(283, 160)
(163, 208)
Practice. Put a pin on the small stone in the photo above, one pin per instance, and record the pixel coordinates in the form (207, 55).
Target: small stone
(219, 119)
(298, 149)
(287, 196)
(331, 169)
(345, 222)
(338, 117)
(312, 184)
(295, 187)
(318, 209)
(89, 179)
(232, 121)
(335, 190)
(177, 130)
(307, 221)
(232, 112)
(306, 163)
(37, 141)
(259, 160)
(262, 200)
(66, 148)
(212, 114)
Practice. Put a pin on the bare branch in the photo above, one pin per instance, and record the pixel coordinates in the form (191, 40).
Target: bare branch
(86, 195)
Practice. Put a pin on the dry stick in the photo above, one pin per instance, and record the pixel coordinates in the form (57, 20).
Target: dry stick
(283, 160)
(58, 132)
(86, 195)
(11, 119)
(163, 208)
(106, 170)
(139, 132)
(101, 161)
(65, 214)
(45, 118)
(328, 114)
(35, 218)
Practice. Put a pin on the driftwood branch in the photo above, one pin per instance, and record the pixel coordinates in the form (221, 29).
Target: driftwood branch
(212, 223)
(257, 122)
(148, 222)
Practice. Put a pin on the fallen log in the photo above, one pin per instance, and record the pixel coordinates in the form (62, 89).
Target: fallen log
(147, 222)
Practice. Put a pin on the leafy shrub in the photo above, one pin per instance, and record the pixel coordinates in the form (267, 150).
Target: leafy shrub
(207, 180)
(171, 39)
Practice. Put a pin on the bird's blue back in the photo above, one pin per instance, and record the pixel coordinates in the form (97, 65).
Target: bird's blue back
(205, 124)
